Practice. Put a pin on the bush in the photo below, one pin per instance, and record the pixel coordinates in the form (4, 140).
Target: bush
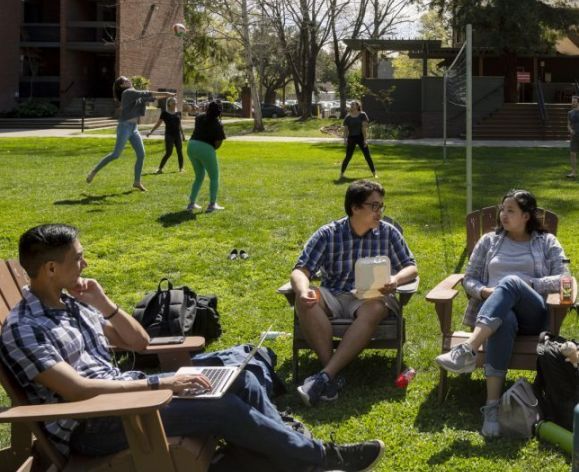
(140, 82)
(35, 109)
(386, 131)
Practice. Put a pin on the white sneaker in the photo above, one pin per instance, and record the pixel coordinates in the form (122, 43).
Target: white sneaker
(459, 360)
(214, 207)
(193, 206)
(491, 427)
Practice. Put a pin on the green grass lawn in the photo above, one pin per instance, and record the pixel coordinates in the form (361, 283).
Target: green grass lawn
(275, 196)
(288, 126)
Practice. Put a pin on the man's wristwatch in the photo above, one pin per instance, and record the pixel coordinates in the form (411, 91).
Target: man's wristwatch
(153, 381)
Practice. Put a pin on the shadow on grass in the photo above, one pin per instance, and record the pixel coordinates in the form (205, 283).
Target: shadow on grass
(369, 381)
(176, 218)
(345, 180)
(506, 449)
(459, 410)
(89, 199)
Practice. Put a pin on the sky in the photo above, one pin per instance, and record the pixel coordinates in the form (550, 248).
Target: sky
(410, 30)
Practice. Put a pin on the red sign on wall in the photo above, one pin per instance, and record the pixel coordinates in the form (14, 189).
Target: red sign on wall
(523, 77)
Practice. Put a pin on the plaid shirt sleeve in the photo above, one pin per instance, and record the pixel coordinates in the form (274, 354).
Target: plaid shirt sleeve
(474, 274)
(554, 266)
(27, 351)
(313, 253)
(399, 253)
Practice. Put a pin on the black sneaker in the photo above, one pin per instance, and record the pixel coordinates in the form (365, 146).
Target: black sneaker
(353, 457)
(313, 388)
(333, 387)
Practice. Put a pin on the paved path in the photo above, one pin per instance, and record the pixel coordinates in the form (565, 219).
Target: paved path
(71, 133)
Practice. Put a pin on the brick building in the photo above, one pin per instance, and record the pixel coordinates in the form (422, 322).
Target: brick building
(63, 50)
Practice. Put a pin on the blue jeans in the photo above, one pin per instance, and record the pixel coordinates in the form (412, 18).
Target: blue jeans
(244, 416)
(126, 131)
(513, 308)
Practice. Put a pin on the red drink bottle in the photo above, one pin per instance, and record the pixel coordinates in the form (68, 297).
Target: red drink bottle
(405, 377)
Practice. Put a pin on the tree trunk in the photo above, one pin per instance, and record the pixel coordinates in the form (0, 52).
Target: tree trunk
(269, 96)
(257, 118)
(342, 87)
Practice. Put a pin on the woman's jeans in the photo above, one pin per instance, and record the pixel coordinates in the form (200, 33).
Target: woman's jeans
(244, 416)
(350, 146)
(203, 158)
(126, 131)
(513, 308)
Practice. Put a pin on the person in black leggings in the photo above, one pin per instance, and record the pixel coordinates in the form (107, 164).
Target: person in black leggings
(174, 135)
(356, 133)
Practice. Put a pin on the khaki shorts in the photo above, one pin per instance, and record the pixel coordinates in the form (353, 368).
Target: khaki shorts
(344, 305)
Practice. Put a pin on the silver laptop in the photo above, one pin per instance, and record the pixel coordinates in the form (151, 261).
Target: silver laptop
(221, 377)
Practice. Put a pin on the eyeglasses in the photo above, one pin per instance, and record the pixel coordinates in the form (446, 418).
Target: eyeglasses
(375, 206)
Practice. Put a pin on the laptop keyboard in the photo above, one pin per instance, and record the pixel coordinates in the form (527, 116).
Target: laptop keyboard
(216, 376)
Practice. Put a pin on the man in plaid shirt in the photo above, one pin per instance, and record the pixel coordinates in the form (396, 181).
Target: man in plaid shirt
(334, 249)
(56, 346)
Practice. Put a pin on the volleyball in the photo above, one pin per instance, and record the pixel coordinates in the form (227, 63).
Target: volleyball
(179, 29)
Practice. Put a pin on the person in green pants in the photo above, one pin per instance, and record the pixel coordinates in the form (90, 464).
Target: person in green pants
(205, 140)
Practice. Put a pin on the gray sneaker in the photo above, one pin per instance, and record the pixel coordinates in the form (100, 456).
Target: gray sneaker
(491, 427)
(459, 360)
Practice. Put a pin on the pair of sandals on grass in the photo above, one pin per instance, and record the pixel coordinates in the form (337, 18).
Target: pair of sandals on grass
(234, 254)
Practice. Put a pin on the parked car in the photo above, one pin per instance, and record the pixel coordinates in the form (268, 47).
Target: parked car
(231, 108)
(272, 111)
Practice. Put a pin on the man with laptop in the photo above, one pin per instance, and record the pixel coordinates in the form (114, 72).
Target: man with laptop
(334, 249)
(55, 343)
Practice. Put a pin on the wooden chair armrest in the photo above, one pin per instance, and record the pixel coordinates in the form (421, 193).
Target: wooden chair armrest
(191, 344)
(444, 292)
(406, 291)
(442, 296)
(110, 404)
(410, 287)
(285, 289)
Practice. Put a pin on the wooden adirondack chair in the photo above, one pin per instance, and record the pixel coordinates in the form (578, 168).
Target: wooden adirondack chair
(524, 355)
(150, 449)
(390, 334)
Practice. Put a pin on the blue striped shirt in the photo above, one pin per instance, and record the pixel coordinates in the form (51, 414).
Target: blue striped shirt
(335, 248)
(34, 338)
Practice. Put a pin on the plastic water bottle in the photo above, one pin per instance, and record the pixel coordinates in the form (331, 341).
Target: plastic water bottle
(405, 377)
(566, 282)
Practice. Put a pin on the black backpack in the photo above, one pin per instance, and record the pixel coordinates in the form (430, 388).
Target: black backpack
(178, 312)
(557, 382)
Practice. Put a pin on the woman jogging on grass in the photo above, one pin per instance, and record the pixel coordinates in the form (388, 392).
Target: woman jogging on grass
(174, 135)
(133, 105)
(206, 139)
(356, 133)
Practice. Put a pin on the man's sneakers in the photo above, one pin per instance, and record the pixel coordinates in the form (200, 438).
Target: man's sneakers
(352, 457)
(491, 427)
(459, 360)
(320, 387)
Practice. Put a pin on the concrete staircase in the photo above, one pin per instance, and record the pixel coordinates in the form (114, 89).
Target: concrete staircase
(520, 121)
(101, 107)
(99, 114)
